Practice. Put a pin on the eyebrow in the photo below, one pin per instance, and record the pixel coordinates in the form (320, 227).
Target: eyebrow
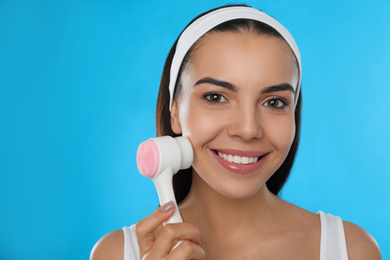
(224, 84)
(216, 82)
(279, 87)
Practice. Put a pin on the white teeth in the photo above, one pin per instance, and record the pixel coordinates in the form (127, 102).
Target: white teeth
(245, 160)
(238, 159)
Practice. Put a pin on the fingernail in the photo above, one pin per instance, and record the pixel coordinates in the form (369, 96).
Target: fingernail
(167, 207)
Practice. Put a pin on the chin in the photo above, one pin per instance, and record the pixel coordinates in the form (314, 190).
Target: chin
(240, 193)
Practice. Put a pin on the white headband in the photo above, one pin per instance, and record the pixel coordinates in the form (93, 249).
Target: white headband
(208, 21)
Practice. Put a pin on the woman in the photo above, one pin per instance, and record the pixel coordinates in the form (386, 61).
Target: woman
(231, 85)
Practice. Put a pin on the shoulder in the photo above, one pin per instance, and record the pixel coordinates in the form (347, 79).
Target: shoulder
(109, 246)
(360, 244)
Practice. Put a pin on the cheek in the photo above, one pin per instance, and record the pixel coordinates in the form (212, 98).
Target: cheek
(281, 133)
(198, 125)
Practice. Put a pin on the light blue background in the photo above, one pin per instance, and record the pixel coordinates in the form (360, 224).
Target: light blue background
(79, 82)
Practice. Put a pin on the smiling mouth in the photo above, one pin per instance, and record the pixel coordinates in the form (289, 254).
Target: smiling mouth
(238, 159)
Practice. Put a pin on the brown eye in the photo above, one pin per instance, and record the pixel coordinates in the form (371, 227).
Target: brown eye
(276, 103)
(215, 98)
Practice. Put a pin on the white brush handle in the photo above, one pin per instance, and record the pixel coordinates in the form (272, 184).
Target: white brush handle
(163, 184)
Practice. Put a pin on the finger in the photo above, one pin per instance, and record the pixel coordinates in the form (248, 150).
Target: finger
(145, 229)
(170, 235)
(149, 224)
(187, 250)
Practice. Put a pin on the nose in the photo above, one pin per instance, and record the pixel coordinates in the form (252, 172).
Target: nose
(246, 124)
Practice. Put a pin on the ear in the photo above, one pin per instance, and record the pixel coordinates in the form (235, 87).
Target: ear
(175, 121)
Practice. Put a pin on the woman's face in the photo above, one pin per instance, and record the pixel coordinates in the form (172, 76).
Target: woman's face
(237, 109)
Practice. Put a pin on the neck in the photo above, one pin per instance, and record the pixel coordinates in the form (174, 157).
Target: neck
(223, 217)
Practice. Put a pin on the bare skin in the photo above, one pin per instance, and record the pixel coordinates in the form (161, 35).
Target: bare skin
(229, 215)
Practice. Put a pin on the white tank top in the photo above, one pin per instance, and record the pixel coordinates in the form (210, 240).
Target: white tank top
(333, 244)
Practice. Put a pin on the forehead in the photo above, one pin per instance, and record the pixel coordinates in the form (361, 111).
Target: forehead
(244, 53)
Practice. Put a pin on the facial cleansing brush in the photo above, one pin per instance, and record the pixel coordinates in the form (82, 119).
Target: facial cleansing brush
(159, 159)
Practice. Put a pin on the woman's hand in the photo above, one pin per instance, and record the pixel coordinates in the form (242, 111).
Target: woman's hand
(159, 246)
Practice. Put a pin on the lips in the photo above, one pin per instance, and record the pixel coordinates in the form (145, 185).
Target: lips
(240, 162)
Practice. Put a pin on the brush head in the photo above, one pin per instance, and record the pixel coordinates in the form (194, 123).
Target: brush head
(186, 152)
(156, 155)
(148, 158)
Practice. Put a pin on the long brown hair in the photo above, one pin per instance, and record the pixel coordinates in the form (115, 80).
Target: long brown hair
(182, 180)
